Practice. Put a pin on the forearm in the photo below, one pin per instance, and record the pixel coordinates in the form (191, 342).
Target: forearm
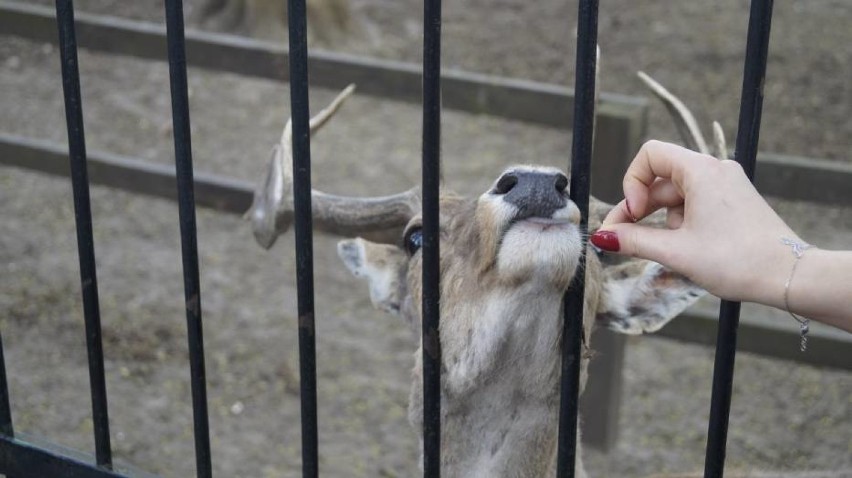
(820, 289)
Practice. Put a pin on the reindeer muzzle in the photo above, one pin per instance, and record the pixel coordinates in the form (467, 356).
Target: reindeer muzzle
(534, 193)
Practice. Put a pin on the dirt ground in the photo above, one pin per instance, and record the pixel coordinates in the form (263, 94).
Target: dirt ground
(785, 416)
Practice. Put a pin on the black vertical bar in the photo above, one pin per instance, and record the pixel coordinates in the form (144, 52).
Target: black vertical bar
(188, 235)
(303, 230)
(5, 410)
(83, 218)
(751, 103)
(431, 308)
(581, 158)
(6, 428)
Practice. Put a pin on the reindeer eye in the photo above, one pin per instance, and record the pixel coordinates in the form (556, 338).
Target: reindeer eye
(413, 240)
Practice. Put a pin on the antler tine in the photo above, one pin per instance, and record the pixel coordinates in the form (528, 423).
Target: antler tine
(685, 121)
(317, 122)
(719, 141)
(323, 116)
(271, 212)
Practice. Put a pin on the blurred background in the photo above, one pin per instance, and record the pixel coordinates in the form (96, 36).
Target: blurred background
(787, 415)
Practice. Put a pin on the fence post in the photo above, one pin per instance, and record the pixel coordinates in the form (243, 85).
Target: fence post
(83, 220)
(581, 157)
(303, 231)
(751, 102)
(5, 410)
(431, 309)
(6, 428)
(188, 233)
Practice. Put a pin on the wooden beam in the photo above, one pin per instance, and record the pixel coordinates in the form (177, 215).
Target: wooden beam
(142, 177)
(804, 179)
(764, 331)
(697, 324)
(516, 99)
(621, 119)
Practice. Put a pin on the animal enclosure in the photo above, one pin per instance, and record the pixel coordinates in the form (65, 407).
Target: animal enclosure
(303, 375)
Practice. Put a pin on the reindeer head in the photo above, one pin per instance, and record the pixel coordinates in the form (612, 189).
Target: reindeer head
(507, 257)
(523, 230)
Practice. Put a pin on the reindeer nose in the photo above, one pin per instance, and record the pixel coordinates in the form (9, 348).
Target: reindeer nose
(535, 193)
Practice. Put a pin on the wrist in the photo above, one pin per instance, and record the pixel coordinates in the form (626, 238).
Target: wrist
(773, 277)
(821, 289)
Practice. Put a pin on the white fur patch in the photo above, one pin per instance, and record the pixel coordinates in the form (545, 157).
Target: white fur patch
(540, 251)
(515, 335)
(644, 303)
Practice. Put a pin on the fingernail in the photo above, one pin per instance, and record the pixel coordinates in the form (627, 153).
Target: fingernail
(606, 240)
(629, 211)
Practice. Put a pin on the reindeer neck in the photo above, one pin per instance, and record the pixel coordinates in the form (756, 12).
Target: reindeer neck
(501, 393)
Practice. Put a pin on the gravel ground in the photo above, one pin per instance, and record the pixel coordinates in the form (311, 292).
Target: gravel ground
(785, 416)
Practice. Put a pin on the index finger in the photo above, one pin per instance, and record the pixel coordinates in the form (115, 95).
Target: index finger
(657, 159)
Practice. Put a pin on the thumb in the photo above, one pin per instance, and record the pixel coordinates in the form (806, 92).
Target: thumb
(636, 240)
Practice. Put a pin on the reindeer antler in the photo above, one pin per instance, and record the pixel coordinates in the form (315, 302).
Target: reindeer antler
(719, 141)
(271, 212)
(685, 121)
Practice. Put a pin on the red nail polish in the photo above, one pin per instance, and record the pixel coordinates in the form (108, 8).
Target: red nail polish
(606, 240)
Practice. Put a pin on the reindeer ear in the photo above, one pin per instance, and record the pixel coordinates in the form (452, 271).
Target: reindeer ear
(641, 296)
(382, 265)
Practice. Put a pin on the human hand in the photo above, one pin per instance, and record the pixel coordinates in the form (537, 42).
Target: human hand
(721, 233)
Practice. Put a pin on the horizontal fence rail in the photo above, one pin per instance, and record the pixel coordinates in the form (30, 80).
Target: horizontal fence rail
(764, 331)
(515, 99)
(619, 116)
(698, 324)
(782, 176)
(127, 174)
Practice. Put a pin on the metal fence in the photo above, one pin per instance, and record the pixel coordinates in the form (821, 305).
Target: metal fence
(20, 459)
